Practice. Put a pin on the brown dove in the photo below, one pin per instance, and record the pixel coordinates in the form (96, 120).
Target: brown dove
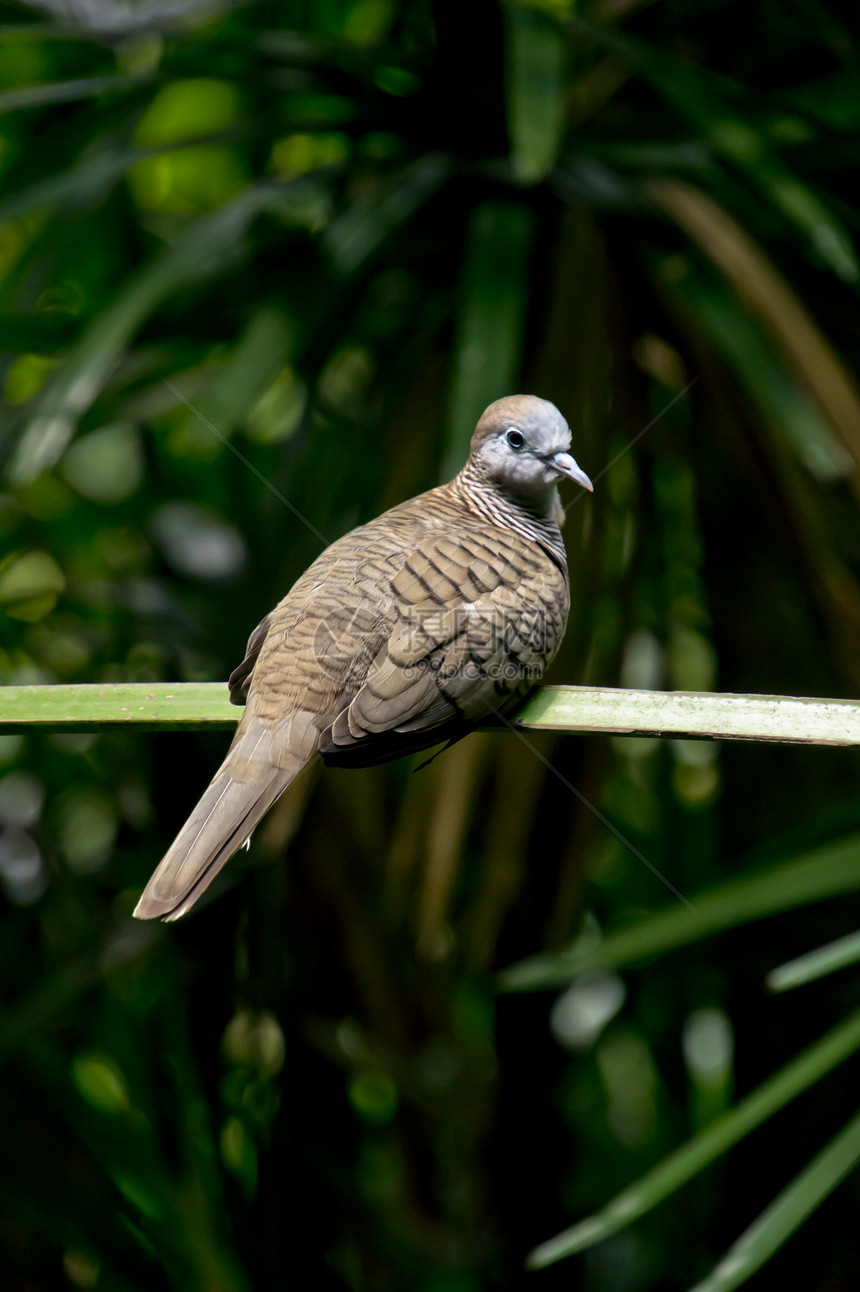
(408, 632)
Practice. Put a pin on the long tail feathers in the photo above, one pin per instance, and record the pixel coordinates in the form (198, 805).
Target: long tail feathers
(219, 825)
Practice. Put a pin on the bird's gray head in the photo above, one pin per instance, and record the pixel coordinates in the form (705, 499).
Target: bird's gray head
(521, 444)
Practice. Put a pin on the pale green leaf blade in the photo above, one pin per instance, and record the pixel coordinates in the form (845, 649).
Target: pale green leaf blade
(816, 964)
(707, 102)
(200, 250)
(691, 1158)
(812, 877)
(37, 96)
(354, 236)
(787, 1212)
(534, 90)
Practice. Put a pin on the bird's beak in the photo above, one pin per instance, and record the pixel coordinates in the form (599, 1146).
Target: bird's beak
(565, 465)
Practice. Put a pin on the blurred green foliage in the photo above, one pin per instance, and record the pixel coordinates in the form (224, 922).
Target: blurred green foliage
(261, 266)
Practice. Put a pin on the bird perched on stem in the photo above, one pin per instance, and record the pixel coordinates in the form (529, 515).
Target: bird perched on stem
(408, 632)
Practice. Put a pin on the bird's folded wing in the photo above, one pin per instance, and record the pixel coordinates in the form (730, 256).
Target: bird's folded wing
(447, 657)
(242, 676)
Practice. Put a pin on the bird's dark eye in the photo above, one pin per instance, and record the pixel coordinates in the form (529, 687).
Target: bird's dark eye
(515, 438)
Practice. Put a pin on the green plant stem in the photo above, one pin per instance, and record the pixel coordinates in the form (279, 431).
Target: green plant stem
(704, 715)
